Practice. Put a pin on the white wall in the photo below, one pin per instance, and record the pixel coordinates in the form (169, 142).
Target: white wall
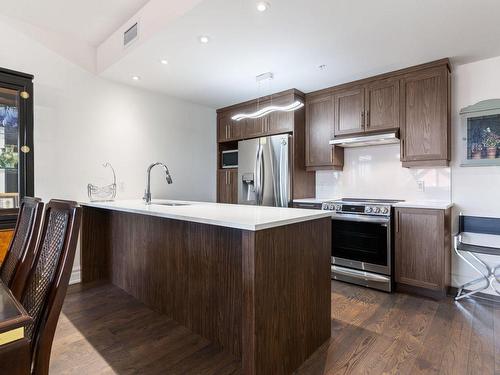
(475, 190)
(376, 172)
(82, 120)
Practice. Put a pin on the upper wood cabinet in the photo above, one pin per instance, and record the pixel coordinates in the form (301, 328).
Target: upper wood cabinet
(320, 128)
(279, 122)
(227, 128)
(273, 123)
(371, 107)
(349, 111)
(382, 105)
(253, 128)
(425, 118)
(422, 251)
(415, 101)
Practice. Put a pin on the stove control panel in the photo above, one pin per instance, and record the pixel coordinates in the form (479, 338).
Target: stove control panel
(363, 209)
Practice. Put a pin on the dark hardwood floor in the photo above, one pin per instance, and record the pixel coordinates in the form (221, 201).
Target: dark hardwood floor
(102, 330)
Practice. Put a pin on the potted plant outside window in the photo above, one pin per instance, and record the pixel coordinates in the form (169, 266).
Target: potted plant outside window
(477, 151)
(491, 142)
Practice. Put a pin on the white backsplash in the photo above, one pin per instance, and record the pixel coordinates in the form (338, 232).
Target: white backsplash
(376, 172)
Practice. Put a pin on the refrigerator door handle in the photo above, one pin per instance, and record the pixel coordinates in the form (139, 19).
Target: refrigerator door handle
(262, 181)
(258, 176)
(283, 172)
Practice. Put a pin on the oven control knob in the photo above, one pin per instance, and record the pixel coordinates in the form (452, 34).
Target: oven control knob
(377, 210)
(368, 210)
(338, 207)
(385, 211)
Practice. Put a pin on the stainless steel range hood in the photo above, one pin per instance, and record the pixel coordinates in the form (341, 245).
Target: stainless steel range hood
(367, 140)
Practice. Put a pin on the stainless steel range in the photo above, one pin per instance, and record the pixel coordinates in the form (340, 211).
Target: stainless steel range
(362, 241)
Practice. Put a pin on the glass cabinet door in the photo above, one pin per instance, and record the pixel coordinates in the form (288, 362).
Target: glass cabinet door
(16, 143)
(9, 148)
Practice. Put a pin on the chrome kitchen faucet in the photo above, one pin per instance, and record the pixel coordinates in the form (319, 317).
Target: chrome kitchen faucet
(147, 193)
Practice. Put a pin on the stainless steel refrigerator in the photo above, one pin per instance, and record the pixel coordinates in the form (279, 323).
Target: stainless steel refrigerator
(264, 171)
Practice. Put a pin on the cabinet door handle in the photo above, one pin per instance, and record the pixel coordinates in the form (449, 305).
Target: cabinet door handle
(331, 155)
(227, 178)
(362, 119)
(397, 222)
(402, 149)
(367, 118)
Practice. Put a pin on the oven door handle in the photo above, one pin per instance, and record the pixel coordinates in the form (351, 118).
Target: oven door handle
(360, 274)
(362, 219)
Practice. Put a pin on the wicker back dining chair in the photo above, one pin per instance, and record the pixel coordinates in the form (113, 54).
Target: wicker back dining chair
(48, 281)
(17, 263)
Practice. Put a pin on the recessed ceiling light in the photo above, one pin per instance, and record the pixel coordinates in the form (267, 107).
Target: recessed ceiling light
(204, 39)
(136, 78)
(262, 6)
(164, 62)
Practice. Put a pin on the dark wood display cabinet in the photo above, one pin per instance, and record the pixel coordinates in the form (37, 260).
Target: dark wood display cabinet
(423, 251)
(16, 148)
(414, 101)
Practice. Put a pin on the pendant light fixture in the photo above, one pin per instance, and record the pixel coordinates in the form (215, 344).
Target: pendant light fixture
(270, 108)
(266, 110)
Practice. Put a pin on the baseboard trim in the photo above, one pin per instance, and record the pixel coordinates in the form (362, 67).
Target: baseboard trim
(76, 276)
(422, 292)
(484, 296)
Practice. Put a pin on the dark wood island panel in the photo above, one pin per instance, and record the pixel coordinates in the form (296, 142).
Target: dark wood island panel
(262, 295)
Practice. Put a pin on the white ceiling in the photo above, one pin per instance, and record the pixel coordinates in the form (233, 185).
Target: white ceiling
(91, 21)
(355, 38)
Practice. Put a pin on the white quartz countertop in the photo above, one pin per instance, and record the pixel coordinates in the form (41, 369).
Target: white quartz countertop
(251, 218)
(431, 204)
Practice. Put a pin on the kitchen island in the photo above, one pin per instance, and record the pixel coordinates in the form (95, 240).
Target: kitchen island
(254, 280)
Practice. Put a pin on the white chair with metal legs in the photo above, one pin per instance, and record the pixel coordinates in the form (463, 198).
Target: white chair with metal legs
(490, 276)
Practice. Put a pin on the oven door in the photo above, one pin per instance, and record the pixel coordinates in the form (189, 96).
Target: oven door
(362, 242)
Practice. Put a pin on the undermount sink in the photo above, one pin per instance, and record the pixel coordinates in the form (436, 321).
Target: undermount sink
(171, 204)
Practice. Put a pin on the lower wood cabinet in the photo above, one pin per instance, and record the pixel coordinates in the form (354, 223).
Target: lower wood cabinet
(423, 251)
(227, 186)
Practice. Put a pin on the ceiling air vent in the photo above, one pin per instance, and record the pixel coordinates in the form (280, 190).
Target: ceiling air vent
(130, 35)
